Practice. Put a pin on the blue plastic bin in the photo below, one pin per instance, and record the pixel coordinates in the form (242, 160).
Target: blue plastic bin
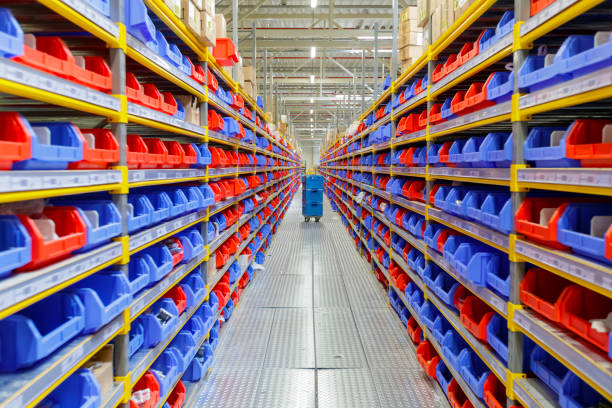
(501, 87)
(194, 198)
(546, 147)
(140, 212)
(497, 149)
(54, 146)
(213, 337)
(192, 242)
(471, 204)
(139, 24)
(431, 231)
(206, 313)
(160, 322)
(445, 287)
(213, 301)
(575, 393)
(194, 288)
(455, 153)
(159, 258)
(102, 219)
(105, 295)
(194, 326)
(204, 158)
(228, 309)
(441, 327)
(471, 153)
(498, 274)
(472, 261)
(582, 54)
(474, 371)
(199, 364)
(81, 389)
(166, 370)
(139, 273)
(15, 244)
(39, 330)
(161, 203)
(486, 40)
(179, 202)
(169, 52)
(136, 337)
(577, 229)
(428, 314)
(497, 336)
(496, 212)
(11, 35)
(185, 345)
(446, 110)
(548, 369)
(454, 200)
(454, 348)
(444, 376)
(431, 273)
(535, 75)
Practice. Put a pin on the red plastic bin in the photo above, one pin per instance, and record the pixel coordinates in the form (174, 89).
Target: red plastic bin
(428, 358)
(98, 156)
(494, 392)
(457, 397)
(175, 155)
(16, 139)
(414, 330)
(225, 52)
(458, 103)
(178, 296)
(476, 96)
(537, 219)
(542, 291)
(190, 155)
(219, 157)
(475, 316)
(435, 114)
(538, 5)
(177, 396)
(168, 104)
(156, 155)
(176, 249)
(587, 142)
(578, 306)
(48, 54)
(151, 97)
(94, 73)
(215, 121)
(71, 234)
(133, 88)
(211, 81)
(146, 382)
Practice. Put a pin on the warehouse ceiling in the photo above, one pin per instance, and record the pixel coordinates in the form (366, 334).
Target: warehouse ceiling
(321, 89)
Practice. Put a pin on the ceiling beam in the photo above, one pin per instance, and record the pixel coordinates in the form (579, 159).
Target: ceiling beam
(293, 33)
(307, 43)
(308, 16)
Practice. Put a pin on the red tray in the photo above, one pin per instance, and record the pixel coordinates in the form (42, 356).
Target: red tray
(168, 104)
(527, 220)
(178, 296)
(16, 140)
(414, 330)
(457, 397)
(435, 114)
(542, 291)
(105, 152)
(475, 316)
(428, 358)
(585, 143)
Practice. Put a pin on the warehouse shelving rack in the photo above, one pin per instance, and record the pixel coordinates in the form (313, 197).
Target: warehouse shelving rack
(55, 97)
(521, 111)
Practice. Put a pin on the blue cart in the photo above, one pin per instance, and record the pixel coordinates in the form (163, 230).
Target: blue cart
(312, 197)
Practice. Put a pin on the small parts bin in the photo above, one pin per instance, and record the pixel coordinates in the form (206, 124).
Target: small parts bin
(457, 397)
(11, 35)
(55, 234)
(200, 364)
(542, 291)
(428, 358)
(537, 218)
(587, 229)
(494, 392)
(443, 376)
(184, 347)
(160, 322)
(474, 371)
(15, 244)
(51, 55)
(475, 316)
(81, 389)
(100, 149)
(39, 330)
(146, 392)
(105, 295)
(177, 396)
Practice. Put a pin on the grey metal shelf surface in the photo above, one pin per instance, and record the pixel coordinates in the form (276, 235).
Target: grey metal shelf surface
(497, 174)
(17, 73)
(142, 239)
(20, 287)
(544, 15)
(150, 175)
(533, 394)
(472, 118)
(419, 134)
(90, 13)
(113, 397)
(585, 177)
(165, 119)
(409, 171)
(30, 385)
(32, 180)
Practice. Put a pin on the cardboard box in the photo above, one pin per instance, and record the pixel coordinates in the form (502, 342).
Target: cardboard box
(249, 74)
(101, 365)
(208, 35)
(199, 5)
(192, 108)
(410, 38)
(448, 16)
(436, 25)
(209, 7)
(221, 26)
(410, 52)
(422, 12)
(191, 16)
(408, 13)
(461, 7)
(175, 6)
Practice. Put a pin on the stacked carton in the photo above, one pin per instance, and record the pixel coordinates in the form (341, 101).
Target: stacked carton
(410, 42)
(441, 14)
(197, 15)
(250, 81)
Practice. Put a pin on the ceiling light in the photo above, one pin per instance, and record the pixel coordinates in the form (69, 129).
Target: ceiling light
(313, 3)
(311, 100)
(371, 37)
(311, 111)
(311, 78)
(311, 119)
(313, 51)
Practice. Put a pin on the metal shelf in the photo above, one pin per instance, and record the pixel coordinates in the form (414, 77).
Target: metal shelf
(142, 54)
(496, 176)
(158, 120)
(479, 232)
(486, 116)
(533, 394)
(150, 236)
(409, 171)
(410, 104)
(30, 386)
(576, 180)
(414, 137)
(138, 178)
(20, 290)
(113, 397)
(584, 360)
(594, 275)
(21, 185)
(26, 82)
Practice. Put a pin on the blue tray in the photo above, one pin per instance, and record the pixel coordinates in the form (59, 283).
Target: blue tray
(574, 229)
(139, 24)
(444, 376)
(199, 364)
(81, 389)
(441, 327)
(497, 149)
(548, 369)
(445, 287)
(15, 245)
(166, 370)
(143, 212)
(136, 337)
(194, 288)
(159, 258)
(474, 371)
(160, 322)
(192, 242)
(65, 146)
(109, 221)
(11, 35)
(185, 346)
(538, 148)
(454, 348)
(496, 212)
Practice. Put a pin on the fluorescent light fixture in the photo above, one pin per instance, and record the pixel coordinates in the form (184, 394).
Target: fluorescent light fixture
(311, 78)
(313, 51)
(311, 119)
(311, 111)
(371, 37)
(313, 3)
(311, 100)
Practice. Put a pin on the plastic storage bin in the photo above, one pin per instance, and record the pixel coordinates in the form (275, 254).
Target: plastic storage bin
(160, 322)
(166, 370)
(15, 245)
(136, 337)
(100, 149)
(542, 291)
(474, 371)
(102, 219)
(185, 349)
(11, 35)
(585, 228)
(81, 389)
(475, 316)
(453, 347)
(428, 358)
(105, 295)
(149, 383)
(39, 330)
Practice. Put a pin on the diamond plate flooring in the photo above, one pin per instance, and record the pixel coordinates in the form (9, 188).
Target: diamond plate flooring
(314, 330)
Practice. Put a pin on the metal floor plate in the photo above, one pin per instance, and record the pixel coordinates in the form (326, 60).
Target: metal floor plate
(314, 330)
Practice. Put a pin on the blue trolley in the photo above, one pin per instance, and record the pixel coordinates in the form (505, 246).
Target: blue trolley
(312, 197)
